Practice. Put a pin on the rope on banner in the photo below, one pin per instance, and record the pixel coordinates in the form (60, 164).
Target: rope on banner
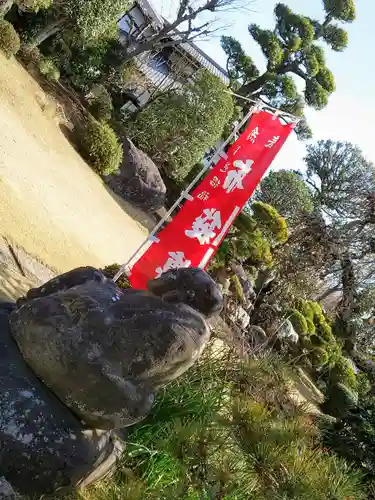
(258, 106)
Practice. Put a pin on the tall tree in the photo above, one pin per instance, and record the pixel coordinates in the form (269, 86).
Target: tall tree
(184, 27)
(89, 19)
(293, 51)
(24, 5)
(288, 193)
(343, 183)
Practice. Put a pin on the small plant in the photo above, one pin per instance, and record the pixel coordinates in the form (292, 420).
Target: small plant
(101, 106)
(100, 147)
(110, 272)
(310, 326)
(298, 321)
(268, 218)
(30, 54)
(49, 69)
(318, 356)
(343, 372)
(9, 40)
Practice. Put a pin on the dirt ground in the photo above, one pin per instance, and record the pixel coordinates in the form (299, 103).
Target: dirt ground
(52, 205)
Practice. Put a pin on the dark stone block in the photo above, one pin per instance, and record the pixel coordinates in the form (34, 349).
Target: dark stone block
(138, 179)
(104, 351)
(44, 447)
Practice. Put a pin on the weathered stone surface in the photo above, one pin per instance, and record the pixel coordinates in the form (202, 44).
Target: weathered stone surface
(104, 351)
(44, 447)
(138, 179)
(287, 332)
(6, 490)
(256, 336)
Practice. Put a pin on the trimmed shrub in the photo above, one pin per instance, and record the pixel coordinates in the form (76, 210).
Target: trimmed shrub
(310, 326)
(305, 308)
(49, 69)
(180, 126)
(100, 147)
(316, 307)
(30, 54)
(101, 106)
(9, 40)
(339, 400)
(269, 219)
(318, 356)
(325, 331)
(343, 372)
(298, 321)
(110, 272)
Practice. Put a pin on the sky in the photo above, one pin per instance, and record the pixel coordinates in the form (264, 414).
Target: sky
(349, 114)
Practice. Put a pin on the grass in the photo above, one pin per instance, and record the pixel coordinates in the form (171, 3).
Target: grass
(227, 430)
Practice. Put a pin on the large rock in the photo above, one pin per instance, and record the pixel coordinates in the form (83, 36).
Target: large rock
(104, 351)
(44, 447)
(138, 179)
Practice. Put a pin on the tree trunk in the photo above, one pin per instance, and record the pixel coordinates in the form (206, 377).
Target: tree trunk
(348, 301)
(249, 88)
(51, 29)
(5, 6)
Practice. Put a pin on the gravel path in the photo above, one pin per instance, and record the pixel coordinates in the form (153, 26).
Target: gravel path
(51, 203)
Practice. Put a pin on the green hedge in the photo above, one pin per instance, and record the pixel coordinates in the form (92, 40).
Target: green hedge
(298, 321)
(9, 40)
(100, 147)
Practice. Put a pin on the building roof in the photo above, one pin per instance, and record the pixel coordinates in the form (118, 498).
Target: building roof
(191, 48)
(206, 61)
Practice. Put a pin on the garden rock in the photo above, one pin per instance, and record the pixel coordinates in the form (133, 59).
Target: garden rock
(256, 336)
(138, 179)
(6, 491)
(105, 351)
(44, 447)
(287, 332)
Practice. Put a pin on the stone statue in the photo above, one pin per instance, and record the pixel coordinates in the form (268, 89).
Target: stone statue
(121, 345)
(95, 356)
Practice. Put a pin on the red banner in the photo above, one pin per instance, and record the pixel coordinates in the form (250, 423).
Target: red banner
(192, 238)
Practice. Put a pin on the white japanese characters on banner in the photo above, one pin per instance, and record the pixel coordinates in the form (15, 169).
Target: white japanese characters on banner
(194, 234)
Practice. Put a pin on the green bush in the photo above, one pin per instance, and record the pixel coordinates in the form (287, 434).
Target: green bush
(30, 54)
(180, 126)
(49, 69)
(101, 106)
(325, 331)
(110, 272)
(298, 321)
(270, 220)
(310, 326)
(305, 308)
(9, 40)
(318, 357)
(100, 147)
(343, 372)
(339, 400)
(316, 308)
